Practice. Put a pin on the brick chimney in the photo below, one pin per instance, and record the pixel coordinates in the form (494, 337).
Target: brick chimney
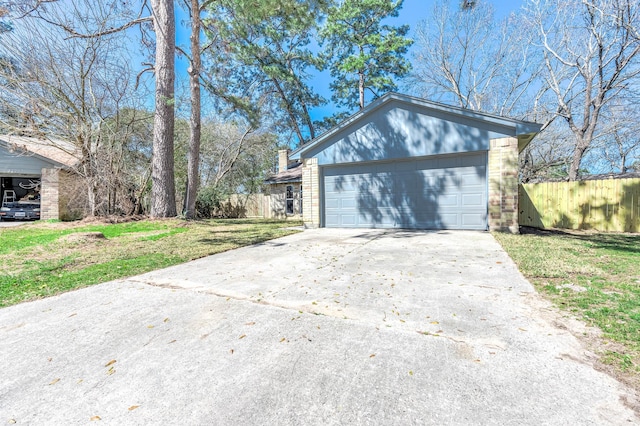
(283, 160)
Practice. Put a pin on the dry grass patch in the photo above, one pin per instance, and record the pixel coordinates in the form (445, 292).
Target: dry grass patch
(43, 259)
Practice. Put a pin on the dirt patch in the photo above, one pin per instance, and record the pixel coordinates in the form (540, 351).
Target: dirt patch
(574, 287)
(93, 220)
(78, 237)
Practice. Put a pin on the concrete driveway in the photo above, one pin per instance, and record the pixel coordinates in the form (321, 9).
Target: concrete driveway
(10, 224)
(326, 327)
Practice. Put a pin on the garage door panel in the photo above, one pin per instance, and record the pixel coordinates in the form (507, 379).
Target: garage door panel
(341, 183)
(437, 193)
(477, 189)
(473, 200)
(473, 220)
(332, 203)
(348, 203)
(348, 220)
(448, 200)
(468, 179)
(385, 217)
(332, 220)
(448, 220)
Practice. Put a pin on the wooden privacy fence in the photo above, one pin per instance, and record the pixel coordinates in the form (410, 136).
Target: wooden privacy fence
(604, 205)
(245, 205)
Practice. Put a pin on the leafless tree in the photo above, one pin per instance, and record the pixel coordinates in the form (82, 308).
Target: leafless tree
(590, 50)
(224, 144)
(548, 156)
(125, 162)
(619, 141)
(234, 159)
(466, 57)
(162, 16)
(64, 88)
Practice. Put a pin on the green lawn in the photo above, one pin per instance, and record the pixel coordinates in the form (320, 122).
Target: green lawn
(42, 259)
(596, 277)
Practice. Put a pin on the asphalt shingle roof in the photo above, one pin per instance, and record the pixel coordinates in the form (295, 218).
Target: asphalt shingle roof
(292, 174)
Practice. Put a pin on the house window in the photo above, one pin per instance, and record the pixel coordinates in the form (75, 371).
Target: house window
(289, 199)
(300, 201)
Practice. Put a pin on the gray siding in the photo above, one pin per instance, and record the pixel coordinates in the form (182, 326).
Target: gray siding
(442, 192)
(14, 164)
(398, 130)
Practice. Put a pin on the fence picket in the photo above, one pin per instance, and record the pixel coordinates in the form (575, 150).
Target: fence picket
(603, 205)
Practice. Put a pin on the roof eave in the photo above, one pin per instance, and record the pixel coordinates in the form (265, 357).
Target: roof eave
(11, 147)
(525, 132)
(275, 182)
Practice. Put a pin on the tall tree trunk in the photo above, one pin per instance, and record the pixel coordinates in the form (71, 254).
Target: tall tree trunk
(193, 161)
(163, 193)
(361, 89)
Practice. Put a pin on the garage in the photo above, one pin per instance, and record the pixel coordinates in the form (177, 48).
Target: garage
(20, 198)
(20, 188)
(30, 176)
(444, 192)
(406, 162)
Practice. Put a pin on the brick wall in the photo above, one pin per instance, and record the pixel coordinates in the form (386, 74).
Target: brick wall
(311, 193)
(503, 185)
(57, 189)
(49, 194)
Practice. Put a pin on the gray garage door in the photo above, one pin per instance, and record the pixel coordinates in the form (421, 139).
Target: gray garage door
(443, 192)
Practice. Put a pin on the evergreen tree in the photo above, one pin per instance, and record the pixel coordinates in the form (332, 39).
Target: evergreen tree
(263, 57)
(362, 53)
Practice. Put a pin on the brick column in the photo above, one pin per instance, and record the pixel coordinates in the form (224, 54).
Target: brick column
(49, 194)
(310, 193)
(503, 185)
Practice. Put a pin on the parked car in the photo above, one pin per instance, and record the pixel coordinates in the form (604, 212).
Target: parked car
(20, 211)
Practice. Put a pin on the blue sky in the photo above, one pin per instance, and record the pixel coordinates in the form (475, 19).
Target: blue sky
(412, 12)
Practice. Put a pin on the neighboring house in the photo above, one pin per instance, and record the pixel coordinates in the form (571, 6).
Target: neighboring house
(404, 162)
(36, 169)
(285, 189)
